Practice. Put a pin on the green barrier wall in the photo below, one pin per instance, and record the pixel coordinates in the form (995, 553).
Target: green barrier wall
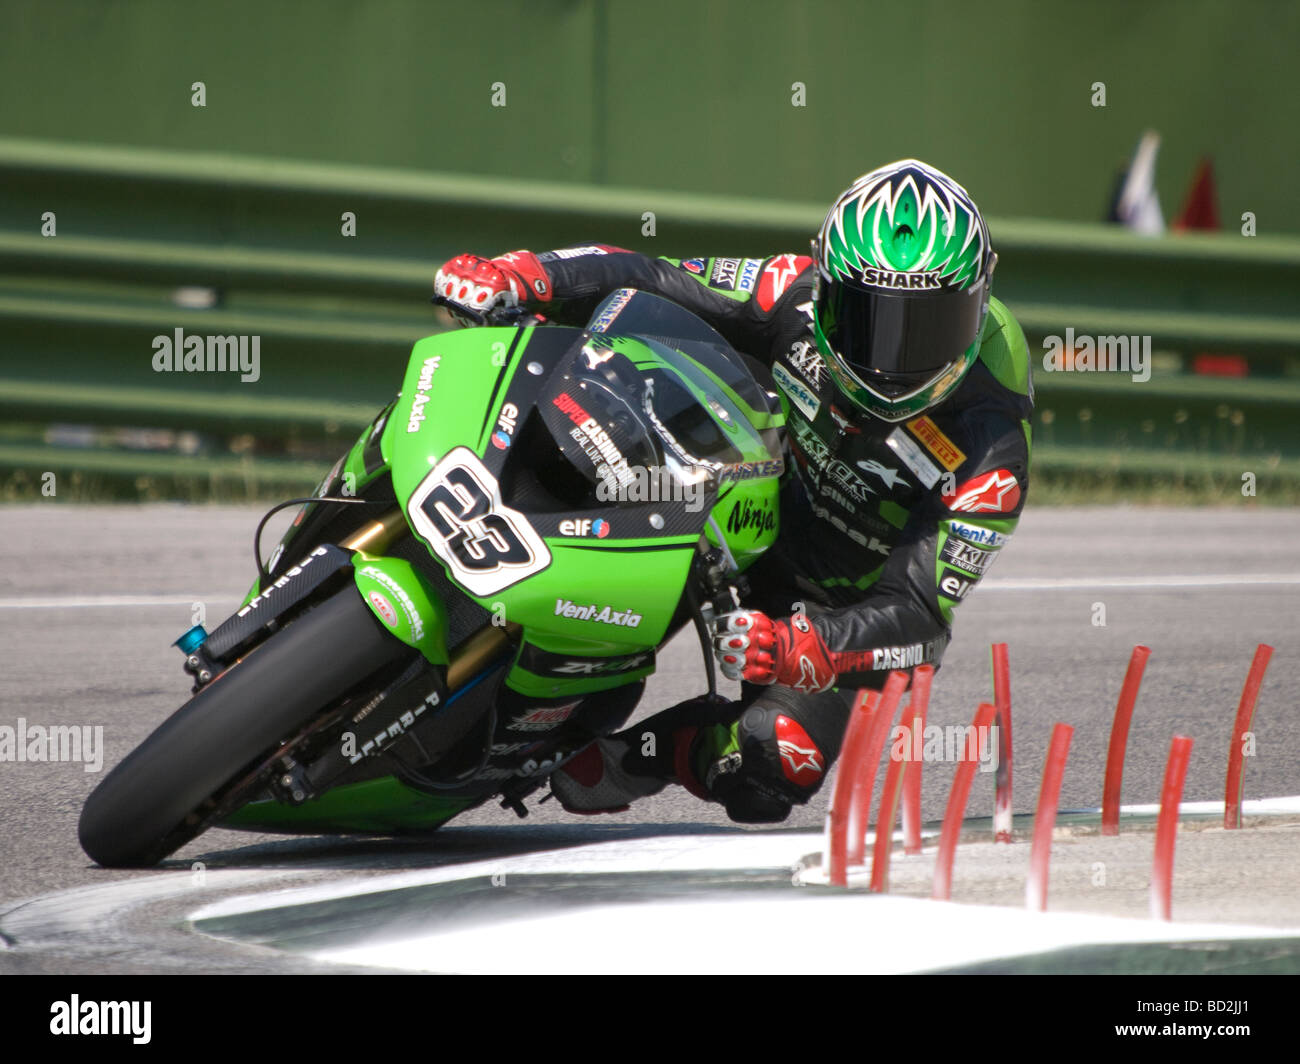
(687, 95)
(612, 110)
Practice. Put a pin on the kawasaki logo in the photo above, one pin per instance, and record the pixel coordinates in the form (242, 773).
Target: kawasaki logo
(597, 666)
(599, 614)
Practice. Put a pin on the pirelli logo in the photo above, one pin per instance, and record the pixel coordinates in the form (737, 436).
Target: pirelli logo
(925, 430)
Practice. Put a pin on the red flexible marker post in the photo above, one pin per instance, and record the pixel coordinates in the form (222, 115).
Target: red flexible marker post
(956, 810)
(1119, 740)
(1245, 713)
(1049, 794)
(921, 679)
(883, 848)
(1171, 794)
(1002, 700)
(855, 736)
(865, 781)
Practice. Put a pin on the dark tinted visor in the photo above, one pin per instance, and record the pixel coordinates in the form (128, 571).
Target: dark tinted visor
(905, 336)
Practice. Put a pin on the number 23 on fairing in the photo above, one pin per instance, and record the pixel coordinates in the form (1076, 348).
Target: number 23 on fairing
(457, 510)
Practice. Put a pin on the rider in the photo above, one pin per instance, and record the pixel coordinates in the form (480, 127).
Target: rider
(907, 392)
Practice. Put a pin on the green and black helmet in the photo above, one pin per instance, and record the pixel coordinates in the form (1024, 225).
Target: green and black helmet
(904, 269)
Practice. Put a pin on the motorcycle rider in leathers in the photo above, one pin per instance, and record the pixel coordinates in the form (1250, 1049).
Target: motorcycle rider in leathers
(907, 393)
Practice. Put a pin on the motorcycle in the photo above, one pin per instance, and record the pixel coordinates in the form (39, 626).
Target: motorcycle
(476, 590)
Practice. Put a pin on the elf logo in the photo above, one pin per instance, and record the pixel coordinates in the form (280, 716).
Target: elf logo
(505, 427)
(586, 526)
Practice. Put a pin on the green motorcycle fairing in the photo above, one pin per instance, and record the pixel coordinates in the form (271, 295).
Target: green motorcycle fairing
(506, 473)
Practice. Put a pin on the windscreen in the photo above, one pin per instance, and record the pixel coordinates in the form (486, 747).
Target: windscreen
(701, 394)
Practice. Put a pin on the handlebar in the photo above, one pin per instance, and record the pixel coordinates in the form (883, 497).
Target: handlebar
(500, 315)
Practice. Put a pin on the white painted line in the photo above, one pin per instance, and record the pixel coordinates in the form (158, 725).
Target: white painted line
(79, 602)
(1099, 582)
(69, 602)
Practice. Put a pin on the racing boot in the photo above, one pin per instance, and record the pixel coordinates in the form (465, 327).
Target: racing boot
(611, 773)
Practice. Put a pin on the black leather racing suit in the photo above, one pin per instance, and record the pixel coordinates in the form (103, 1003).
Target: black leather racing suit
(885, 527)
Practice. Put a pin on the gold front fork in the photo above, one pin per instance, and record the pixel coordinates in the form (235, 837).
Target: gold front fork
(474, 654)
(377, 536)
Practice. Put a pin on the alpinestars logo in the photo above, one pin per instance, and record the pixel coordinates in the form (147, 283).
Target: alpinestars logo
(808, 679)
(886, 473)
(996, 492)
(801, 761)
(777, 278)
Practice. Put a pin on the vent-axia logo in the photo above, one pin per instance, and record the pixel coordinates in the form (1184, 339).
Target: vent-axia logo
(421, 397)
(598, 614)
(974, 534)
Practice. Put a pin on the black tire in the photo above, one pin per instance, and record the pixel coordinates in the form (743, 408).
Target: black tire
(137, 815)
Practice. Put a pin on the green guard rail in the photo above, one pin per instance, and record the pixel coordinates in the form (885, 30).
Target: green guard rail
(336, 314)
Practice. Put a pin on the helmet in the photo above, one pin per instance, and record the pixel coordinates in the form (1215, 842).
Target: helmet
(901, 290)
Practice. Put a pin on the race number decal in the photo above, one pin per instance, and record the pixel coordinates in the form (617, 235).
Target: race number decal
(457, 510)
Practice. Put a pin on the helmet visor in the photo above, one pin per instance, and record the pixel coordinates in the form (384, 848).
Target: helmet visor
(895, 341)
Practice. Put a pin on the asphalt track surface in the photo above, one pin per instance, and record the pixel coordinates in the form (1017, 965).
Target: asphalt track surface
(92, 597)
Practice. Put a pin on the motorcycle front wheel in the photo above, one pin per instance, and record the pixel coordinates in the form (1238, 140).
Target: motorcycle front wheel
(152, 803)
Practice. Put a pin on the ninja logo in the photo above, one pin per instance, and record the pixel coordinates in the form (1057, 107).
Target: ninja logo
(746, 517)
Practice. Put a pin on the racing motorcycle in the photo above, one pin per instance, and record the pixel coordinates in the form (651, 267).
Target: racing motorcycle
(476, 590)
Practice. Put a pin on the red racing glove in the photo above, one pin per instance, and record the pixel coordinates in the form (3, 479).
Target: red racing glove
(750, 646)
(481, 285)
